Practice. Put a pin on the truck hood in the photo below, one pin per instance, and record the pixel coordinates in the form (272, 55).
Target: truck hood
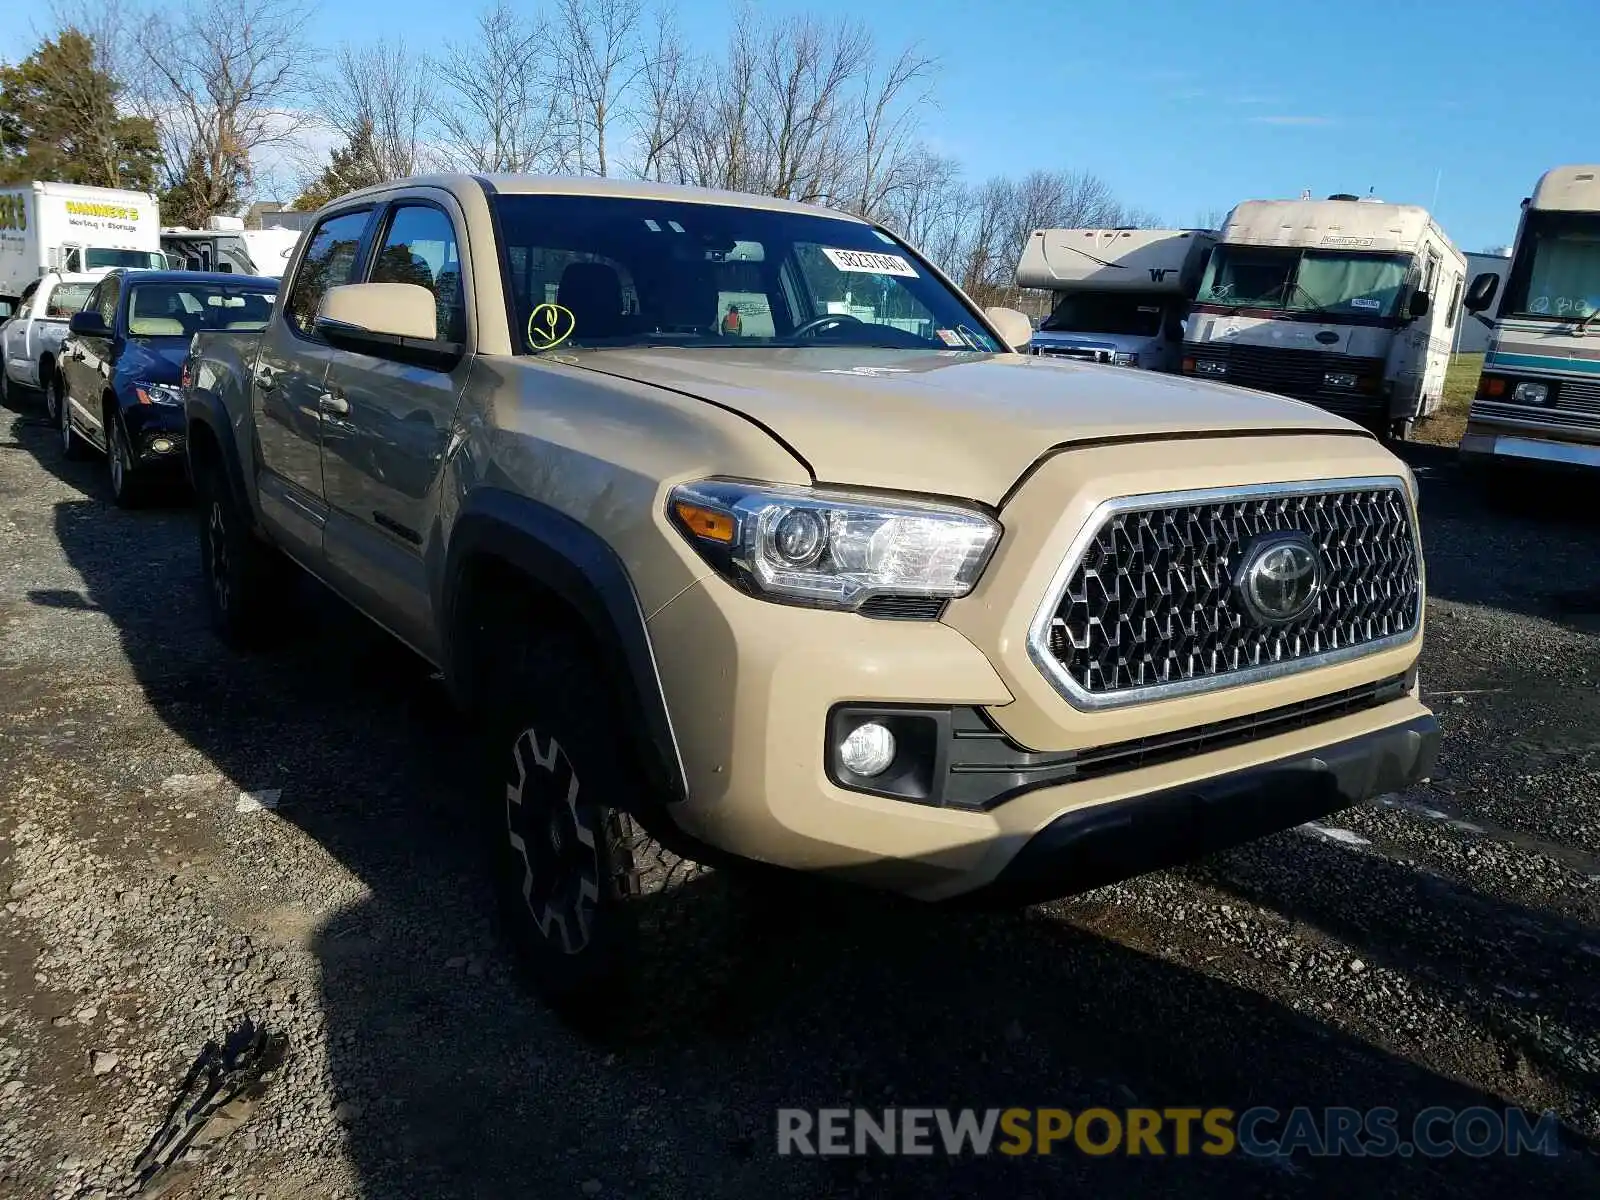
(953, 424)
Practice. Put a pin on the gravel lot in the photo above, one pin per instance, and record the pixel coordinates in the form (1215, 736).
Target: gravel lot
(1441, 947)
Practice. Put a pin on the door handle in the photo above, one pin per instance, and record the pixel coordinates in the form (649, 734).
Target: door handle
(334, 404)
(266, 380)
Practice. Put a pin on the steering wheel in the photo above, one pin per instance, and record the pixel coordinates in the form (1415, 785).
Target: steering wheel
(822, 322)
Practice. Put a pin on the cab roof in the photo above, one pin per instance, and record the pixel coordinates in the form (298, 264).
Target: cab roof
(573, 185)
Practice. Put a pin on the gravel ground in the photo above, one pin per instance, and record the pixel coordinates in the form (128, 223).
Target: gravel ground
(1437, 948)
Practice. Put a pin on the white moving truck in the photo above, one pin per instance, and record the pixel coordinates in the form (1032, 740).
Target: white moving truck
(1538, 398)
(1120, 294)
(74, 228)
(1349, 304)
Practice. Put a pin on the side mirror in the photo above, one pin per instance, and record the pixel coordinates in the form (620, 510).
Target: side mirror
(1418, 305)
(1482, 292)
(87, 322)
(1014, 328)
(386, 320)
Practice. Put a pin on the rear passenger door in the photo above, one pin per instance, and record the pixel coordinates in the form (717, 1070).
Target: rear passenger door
(288, 399)
(383, 451)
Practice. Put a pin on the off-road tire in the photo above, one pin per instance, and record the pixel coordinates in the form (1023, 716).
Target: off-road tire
(245, 580)
(579, 883)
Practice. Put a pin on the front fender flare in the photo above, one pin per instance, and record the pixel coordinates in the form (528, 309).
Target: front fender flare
(581, 571)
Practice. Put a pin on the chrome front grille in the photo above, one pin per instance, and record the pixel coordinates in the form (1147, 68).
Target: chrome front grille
(1579, 395)
(1145, 604)
(1542, 415)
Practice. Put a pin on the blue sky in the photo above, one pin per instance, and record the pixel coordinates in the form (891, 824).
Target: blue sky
(1187, 108)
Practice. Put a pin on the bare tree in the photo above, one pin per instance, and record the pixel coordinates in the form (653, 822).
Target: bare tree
(225, 81)
(499, 109)
(380, 98)
(671, 90)
(1211, 218)
(930, 209)
(888, 116)
(598, 48)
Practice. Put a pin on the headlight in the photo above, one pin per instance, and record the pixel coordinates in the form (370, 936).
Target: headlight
(164, 394)
(1125, 359)
(1340, 379)
(1530, 393)
(831, 549)
(1210, 366)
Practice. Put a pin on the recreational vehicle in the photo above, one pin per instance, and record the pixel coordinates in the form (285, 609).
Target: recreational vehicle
(1538, 399)
(1120, 294)
(1346, 303)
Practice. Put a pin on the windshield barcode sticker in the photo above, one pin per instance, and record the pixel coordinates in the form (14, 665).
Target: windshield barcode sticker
(1363, 302)
(869, 262)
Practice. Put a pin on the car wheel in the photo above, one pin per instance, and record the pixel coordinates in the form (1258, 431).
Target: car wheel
(572, 868)
(245, 579)
(72, 446)
(7, 388)
(53, 396)
(127, 486)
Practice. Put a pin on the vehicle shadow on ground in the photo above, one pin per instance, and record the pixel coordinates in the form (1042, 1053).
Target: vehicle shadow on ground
(1524, 542)
(1526, 976)
(462, 1085)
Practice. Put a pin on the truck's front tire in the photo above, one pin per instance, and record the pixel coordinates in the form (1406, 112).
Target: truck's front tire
(571, 866)
(245, 579)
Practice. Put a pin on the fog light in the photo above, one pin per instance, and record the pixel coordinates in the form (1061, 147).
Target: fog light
(161, 445)
(868, 750)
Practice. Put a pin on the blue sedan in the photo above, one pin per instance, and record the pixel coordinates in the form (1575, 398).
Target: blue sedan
(119, 372)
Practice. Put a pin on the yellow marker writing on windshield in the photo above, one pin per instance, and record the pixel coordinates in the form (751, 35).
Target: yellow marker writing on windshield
(548, 326)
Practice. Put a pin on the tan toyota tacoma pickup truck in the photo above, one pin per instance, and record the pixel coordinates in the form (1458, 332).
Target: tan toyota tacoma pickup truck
(738, 530)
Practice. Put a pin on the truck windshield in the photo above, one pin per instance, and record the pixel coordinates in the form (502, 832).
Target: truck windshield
(141, 259)
(161, 310)
(1556, 273)
(606, 272)
(67, 298)
(1091, 312)
(1325, 281)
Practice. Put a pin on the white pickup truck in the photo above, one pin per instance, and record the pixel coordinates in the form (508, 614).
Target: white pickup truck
(31, 340)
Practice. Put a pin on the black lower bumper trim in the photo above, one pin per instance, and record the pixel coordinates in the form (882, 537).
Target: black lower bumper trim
(1110, 842)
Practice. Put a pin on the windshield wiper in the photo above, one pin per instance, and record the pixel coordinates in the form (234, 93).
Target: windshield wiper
(1582, 326)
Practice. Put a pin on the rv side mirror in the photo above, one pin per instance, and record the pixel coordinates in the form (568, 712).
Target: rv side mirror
(1481, 294)
(1418, 306)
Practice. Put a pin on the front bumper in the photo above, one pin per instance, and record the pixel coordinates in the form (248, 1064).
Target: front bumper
(156, 436)
(750, 687)
(1091, 847)
(1481, 448)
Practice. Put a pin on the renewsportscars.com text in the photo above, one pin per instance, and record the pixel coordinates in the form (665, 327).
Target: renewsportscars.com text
(1258, 1132)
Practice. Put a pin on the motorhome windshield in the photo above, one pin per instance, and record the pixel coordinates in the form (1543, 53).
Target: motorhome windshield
(99, 257)
(1088, 312)
(1556, 274)
(1324, 281)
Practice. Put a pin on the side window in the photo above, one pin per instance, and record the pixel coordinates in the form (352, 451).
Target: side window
(110, 289)
(329, 261)
(93, 302)
(421, 248)
(27, 295)
(1455, 303)
(1430, 273)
